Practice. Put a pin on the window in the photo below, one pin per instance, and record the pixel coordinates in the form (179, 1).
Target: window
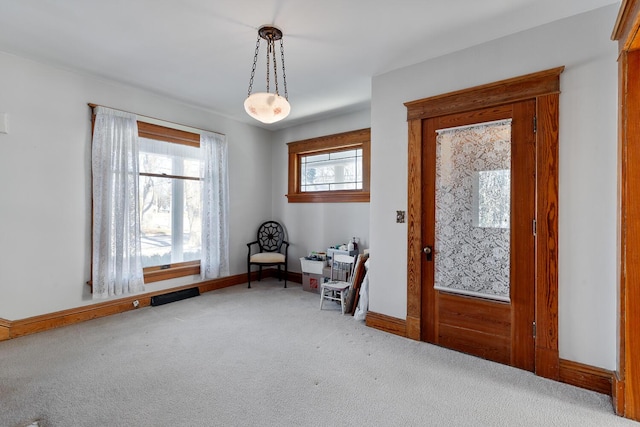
(169, 194)
(162, 185)
(170, 201)
(332, 171)
(333, 168)
(491, 198)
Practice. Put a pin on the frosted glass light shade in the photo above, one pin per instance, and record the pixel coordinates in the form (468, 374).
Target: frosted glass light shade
(267, 107)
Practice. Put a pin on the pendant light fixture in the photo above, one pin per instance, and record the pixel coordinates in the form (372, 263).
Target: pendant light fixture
(265, 106)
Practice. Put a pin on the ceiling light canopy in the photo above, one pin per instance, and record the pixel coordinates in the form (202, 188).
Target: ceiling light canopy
(265, 106)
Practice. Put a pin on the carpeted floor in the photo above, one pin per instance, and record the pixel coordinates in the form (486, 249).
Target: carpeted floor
(267, 356)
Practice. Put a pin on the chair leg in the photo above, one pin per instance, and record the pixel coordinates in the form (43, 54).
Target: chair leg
(260, 274)
(286, 273)
(342, 301)
(248, 275)
(321, 297)
(279, 274)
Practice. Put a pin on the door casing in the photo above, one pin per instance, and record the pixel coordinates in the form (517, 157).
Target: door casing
(544, 88)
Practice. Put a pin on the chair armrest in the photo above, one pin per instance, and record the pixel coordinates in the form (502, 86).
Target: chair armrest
(249, 248)
(286, 248)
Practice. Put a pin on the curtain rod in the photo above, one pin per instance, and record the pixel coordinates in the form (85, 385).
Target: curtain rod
(193, 129)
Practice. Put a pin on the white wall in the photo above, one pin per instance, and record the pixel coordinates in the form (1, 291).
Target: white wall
(316, 226)
(587, 221)
(45, 191)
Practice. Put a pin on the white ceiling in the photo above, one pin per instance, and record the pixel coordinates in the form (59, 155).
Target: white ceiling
(201, 51)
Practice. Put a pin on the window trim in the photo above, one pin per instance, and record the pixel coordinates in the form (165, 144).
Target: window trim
(327, 144)
(167, 134)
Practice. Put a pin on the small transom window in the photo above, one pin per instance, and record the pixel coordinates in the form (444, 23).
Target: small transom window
(332, 168)
(331, 171)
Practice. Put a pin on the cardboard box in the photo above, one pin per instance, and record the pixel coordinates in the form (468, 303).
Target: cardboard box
(310, 266)
(311, 282)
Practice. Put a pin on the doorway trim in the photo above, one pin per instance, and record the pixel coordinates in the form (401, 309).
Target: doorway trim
(544, 88)
(626, 381)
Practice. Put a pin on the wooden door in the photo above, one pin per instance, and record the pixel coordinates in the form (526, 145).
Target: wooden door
(478, 232)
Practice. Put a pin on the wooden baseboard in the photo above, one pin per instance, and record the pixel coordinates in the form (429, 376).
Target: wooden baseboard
(292, 277)
(386, 323)
(273, 272)
(5, 328)
(585, 376)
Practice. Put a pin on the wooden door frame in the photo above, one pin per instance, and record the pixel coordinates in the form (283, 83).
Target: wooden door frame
(544, 88)
(626, 381)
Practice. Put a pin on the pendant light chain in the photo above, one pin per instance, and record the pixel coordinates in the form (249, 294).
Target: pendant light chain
(284, 75)
(272, 47)
(268, 64)
(253, 70)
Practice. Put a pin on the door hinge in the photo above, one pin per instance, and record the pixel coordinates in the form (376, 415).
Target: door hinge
(535, 227)
(535, 124)
(534, 329)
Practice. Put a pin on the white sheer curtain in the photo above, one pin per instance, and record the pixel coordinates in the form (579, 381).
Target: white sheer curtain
(116, 264)
(215, 206)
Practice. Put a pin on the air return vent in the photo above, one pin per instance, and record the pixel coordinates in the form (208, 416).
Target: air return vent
(175, 296)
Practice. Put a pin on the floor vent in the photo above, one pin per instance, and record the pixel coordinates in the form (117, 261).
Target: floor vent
(175, 296)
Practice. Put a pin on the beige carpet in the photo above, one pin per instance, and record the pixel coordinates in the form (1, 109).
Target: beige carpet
(267, 356)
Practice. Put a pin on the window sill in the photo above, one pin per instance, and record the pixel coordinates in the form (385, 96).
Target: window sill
(330, 197)
(156, 274)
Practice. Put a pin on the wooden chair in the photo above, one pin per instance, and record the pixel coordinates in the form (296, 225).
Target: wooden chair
(270, 244)
(337, 290)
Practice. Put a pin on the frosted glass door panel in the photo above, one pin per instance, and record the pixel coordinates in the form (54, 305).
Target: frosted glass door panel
(473, 194)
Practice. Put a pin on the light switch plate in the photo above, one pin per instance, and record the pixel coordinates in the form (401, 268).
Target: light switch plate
(4, 123)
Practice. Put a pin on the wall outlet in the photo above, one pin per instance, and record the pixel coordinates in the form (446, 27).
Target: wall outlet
(400, 217)
(136, 303)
